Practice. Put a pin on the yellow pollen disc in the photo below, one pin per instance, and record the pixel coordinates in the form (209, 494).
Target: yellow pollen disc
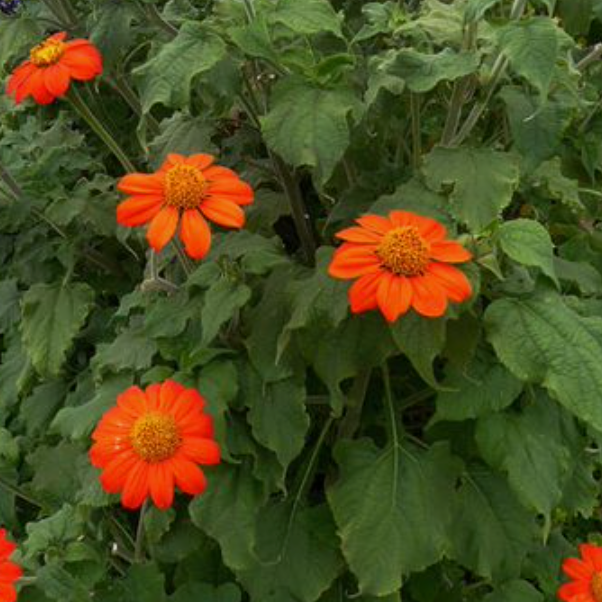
(155, 437)
(597, 587)
(184, 187)
(47, 53)
(404, 252)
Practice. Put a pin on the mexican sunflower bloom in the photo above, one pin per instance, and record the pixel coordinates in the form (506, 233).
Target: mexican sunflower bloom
(51, 66)
(398, 262)
(9, 571)
(153, 440)
(586, 576)
(186, 191)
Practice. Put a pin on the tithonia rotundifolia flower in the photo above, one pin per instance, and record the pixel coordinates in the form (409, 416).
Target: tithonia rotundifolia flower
(399, 262)
(585, 574)
(152, 441)
(184, 194)
(51, 66)
(10, 572)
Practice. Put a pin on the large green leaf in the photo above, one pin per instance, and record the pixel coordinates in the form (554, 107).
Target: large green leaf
(166, 78)
(393, 509)
(193, 592)
(306, 16)
(541, 340)
(422, 72)
(528, 242)
(532, 46)
(53, 314)
(515, 591)
(482, 180)
(308, 124)
(491, 531)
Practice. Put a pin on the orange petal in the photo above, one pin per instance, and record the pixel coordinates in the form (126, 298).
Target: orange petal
(189, 477)
(153, 393)
(57, 79)
(201, 451)
(162, 228)
(450, 252)
(223, 213)
(117, 471)
(135, 489)
(138, 210)
(362, 294)
(19, 75)
(169, 392)
(215, 173)
(8, 593)
(197, 425)
(430, 229)
(359, 235)
(142, 183)
(37, 88)
(195, 234)
(189, 399)
(376, 223)
(592, 555)
(393, 296)
(428, 299)
(576, 591)
(161, 485)
(60, 36)
(577, 569)
(453, 281)
(83, 61)
(351, 261)
(200, 160)
(231, 189)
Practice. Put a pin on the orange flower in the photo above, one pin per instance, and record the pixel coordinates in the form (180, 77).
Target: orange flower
(9, 571)
(153, 440)
(51, 67)
(586, 575)
(185, 190)
(400, 261)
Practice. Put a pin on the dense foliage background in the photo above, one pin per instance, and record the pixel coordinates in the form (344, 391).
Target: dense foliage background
(455, 459)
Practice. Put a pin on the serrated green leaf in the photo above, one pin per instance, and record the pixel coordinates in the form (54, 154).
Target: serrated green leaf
(52, 316)
(59, 584)
(422, 72)
(166, 78)
(491, 530)
(223, 301)
(541, 340)
(549, 176)
(309, 124)
(131, 350)
(528, 242)
(306, 16)
(393, 510)
(482, 180)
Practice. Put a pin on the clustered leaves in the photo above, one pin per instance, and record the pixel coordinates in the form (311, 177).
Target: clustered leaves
(428, 459)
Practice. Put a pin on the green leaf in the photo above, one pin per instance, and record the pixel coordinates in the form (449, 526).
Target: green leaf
(528, 242)
(541, 340)
(393, 510)
(52, 316)
(131, 350)
(17, 35)
(482, 180)
(227, 512)
(9, 304)
(223, 301)
(554, 183)
(421, 340)
(576, 15)
(491, 530)
(143, 583)
(194, 592)
(475, 9)
(532, 46)
(254, 39)
(515, 591)
(422, 72)
(53, 532)
(484, 388)
(297, 556)
(308, 124)
(530, 448)
(166, 78)
(61, 585)
(306, 16)
(278, 417)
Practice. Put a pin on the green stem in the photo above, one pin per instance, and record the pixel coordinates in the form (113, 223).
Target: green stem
(390, 407)
(120, 84)
(140, 535)
(355, 405)
(99, 129)
(416, 129)
(183, 258)
(18, 493)
(154, 16)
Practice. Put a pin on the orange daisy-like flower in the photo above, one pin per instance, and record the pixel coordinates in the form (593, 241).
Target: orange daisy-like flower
(10, 572)
(586, 576)
(152, 441)
(51, 66)
(184, 191)
(401, 261)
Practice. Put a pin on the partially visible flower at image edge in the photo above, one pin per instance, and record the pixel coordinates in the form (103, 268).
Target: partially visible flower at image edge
(585, 574)
(400, 262)
(153, 441)
(184, 192)
(10, 572)
(52, 65)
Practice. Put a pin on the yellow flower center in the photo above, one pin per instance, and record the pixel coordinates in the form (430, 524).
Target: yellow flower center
(184, 187)
(47, 53)
(597, 587)
(155, 437)
(404, 252)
